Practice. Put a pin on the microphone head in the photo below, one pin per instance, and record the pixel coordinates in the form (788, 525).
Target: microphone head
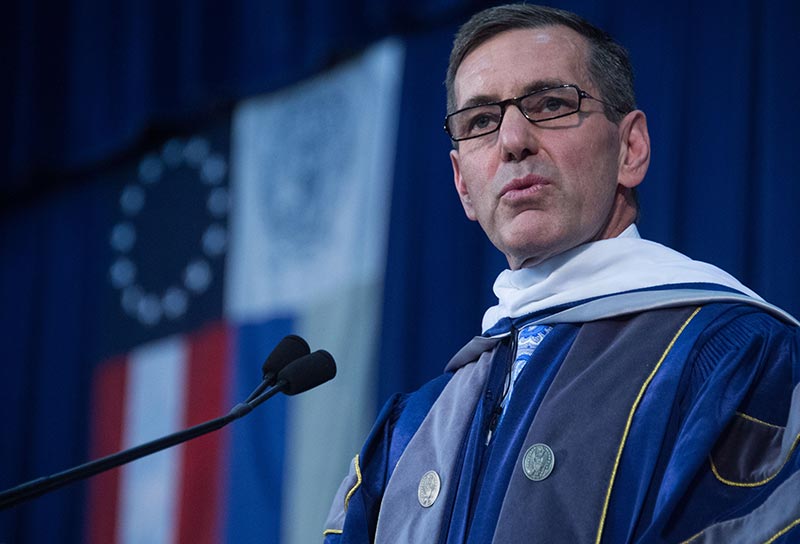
(307, 372)
(292, 347)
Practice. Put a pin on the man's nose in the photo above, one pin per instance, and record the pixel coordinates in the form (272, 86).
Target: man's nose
(517, 136)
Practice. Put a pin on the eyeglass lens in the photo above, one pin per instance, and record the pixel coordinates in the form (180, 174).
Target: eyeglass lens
(543, 105)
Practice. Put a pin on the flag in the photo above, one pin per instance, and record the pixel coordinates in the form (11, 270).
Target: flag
(312, 170)
(161, 387)
(215, 256)
(169, 345)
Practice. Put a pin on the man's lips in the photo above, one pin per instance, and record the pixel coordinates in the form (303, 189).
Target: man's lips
(524, 186)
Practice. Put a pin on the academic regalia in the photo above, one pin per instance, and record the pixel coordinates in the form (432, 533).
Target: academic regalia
(620, 392)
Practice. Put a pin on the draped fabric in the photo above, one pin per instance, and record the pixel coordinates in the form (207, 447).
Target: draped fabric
(90, 77)
(94, 85)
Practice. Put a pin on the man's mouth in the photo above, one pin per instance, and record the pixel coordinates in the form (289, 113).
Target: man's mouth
(524, 186)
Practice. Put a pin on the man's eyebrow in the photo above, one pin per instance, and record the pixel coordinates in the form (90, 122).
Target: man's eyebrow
(479, 100)
(537, 85)
(542, 84)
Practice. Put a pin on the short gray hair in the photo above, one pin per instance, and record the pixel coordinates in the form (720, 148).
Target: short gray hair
(609, 65)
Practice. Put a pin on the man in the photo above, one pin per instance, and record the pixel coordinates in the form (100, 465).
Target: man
(620, 392)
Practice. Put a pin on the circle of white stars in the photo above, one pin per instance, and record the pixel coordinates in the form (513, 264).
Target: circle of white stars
(149, 306)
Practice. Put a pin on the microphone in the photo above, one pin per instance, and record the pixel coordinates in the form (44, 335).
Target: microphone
(308, 372)
(292, 376)
(298, 376)
(290, 348)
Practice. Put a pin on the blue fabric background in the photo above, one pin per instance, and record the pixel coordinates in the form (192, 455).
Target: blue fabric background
(89, 84)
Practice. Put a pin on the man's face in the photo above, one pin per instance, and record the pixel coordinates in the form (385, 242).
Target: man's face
(538, 190)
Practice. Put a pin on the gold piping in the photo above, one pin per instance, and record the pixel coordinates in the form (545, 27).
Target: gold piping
(630, 420)
(756, 420)
(772, 539)
(693, 537)
(357, 484)
(761, 482)
(347, 497)
(783, 531)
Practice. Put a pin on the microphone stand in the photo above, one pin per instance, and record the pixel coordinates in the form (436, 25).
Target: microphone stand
(40, 486)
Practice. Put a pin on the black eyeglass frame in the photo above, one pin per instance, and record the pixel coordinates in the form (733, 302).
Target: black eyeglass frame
(517, 101)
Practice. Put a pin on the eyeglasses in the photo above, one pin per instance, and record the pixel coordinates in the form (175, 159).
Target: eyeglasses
(541, 105)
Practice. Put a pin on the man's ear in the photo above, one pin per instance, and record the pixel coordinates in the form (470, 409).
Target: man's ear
(634, 150)
(461, 187)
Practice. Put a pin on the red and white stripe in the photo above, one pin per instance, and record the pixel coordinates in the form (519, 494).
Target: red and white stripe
(174, 495)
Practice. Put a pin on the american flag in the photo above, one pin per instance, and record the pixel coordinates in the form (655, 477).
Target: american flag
(222, 242)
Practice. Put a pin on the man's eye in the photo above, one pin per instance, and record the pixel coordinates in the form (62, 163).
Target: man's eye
(549, 105)
(553, 104)
(482, 121)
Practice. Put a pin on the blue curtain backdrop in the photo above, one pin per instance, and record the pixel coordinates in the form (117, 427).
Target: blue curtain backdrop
(90, 84)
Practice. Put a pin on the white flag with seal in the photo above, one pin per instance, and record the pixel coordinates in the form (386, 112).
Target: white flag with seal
(311, 177)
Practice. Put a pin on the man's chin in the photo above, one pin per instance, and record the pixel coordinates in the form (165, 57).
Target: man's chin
(531, 244)
(531, 256)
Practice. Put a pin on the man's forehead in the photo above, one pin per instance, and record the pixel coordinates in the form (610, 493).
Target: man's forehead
(516, 60)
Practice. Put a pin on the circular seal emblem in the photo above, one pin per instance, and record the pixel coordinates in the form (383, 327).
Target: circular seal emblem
(538, 462)
(428, 490)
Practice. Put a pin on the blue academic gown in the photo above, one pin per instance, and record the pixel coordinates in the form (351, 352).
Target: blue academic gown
(666, 425)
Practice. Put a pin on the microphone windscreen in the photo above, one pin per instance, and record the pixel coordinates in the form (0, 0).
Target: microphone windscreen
(292, 347)
(307, 372)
